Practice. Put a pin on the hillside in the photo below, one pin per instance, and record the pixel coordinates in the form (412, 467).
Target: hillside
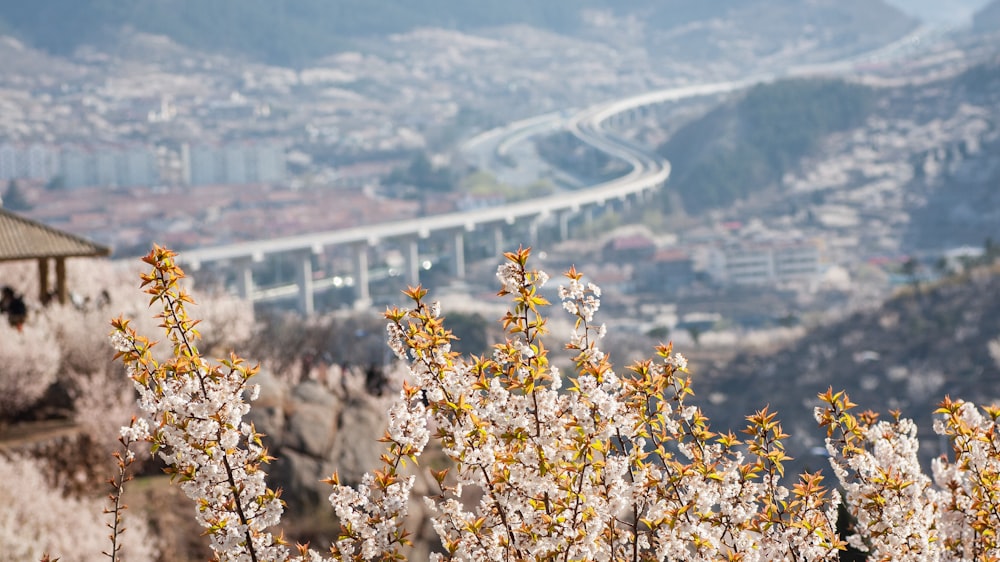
(961, 205)
(295, 31)
(747, 145)
(285, 32)
(935, 11)
(988, 19)
(907, 354)
(772, 31)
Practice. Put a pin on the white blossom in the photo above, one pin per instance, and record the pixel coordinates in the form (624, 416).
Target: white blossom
(593, 464)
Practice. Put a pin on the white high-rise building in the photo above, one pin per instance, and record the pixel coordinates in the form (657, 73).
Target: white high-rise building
(202, 164)
(111, 166)
(772, 263)
(270, 163)
(106, 167)
(235, 163)
(41, 162)
(137, 166)
(8, 162)
(77, 167)
(34, 161)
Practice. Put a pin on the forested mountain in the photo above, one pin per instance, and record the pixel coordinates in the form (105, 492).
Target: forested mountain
(747, 145)
(281, 31)
(988, 19)
(294, 31)
(961, 201)
(907, 355)
(936, 11)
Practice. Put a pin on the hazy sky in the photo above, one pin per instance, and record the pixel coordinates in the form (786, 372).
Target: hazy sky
(940, 11)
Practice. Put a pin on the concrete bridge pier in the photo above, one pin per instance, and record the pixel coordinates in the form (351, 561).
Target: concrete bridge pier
(245, 279)
(305, 283)
(564, 217)
(498, 243)
(413, 262)
(588, 216)
(626, 204)
(361, 288)
(459, 243)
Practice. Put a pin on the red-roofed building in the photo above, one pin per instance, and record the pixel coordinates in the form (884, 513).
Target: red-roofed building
(632, 248)
(668, 271)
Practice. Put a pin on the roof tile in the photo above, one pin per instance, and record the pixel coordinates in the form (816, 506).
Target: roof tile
(23, 239)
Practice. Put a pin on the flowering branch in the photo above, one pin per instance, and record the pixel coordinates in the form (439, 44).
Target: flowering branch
(590, 465)
(196, 411)
(876, 463)
(970, 485)
(611, 467)
(135, 431)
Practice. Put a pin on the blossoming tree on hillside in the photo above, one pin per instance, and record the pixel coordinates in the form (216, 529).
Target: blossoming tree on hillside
(588, 465)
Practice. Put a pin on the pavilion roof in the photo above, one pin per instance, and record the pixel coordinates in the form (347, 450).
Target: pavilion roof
(23, 239)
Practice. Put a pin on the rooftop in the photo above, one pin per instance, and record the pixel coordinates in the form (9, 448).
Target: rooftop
(22, 238)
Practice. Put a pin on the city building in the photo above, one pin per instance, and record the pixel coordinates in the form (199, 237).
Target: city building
(34, 161)
(768, 264)
(630, 248)
(666, 272)
(110, 166)
(234, 163)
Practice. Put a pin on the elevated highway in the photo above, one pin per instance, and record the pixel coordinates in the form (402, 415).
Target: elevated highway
(646, 172)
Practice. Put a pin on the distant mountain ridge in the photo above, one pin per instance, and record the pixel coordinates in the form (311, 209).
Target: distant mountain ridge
(988, 19)
(296, 31)
(937, 12)
(747, 145)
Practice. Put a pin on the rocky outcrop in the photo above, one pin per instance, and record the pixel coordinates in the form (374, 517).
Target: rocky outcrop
(330, 423)
(313, 429)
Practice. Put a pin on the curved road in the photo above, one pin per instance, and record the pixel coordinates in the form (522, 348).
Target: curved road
(647, 171)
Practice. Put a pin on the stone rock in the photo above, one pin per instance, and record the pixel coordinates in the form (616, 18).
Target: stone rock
(311, 429)
(299, 475)
(273, 392)
(314, 431)
(267, 413)
(312, 392)
(269, 421)
(356, 448)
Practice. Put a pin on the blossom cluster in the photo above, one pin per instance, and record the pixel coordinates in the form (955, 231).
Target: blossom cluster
(194, 413)
(600, 466)
(593, 464)
(901, 513)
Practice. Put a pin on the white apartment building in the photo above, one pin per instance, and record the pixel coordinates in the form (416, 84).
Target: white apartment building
(111, 166)
(234, 163)
(771, 263)
(34, 161)
(8, 162)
